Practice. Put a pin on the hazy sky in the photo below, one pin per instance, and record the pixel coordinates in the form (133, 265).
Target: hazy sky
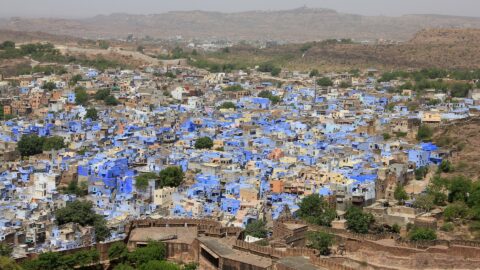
(85, 8)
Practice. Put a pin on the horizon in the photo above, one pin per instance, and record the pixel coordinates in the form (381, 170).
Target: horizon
(80, 10)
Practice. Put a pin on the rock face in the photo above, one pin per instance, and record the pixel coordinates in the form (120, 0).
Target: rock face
(296, 25)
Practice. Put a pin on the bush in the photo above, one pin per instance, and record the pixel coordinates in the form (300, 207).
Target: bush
(228, 105)
(421, 172)
(204, 143)
(257, 229)
(141, 181)
(171, 176)
(111, 101)
(320, 241)
(92, 113)
(358, 221)
(447, 227)
(422, 234)
(424, 202)
(396, 228)
(446, 166)
(324, 82)
(424, 133)
(459, 188)
(83, 214)
(455, 210)
(267, 94)
(117, 251)
(316, 210)
(152, 251)
(30, 145)
(81, 96)
(400, 194)
(102, 94)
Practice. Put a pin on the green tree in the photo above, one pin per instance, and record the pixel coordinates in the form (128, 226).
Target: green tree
(314, 73)
(422, 234)
(123, 267)
(8, 264)
(204, 143)
(53, 143)
(75, 79)
(30, 145)
(5, 250)
(400, 194)
(345, 84)
(118, 251)
(315, 209)
(455, 210)
(103, 44)
(446, 166)
(424, 202)
(171, 176)
(102, 94)
(459, 188)
(152, 251)
(49, 86)
(111, 101)
(76, 189)
(233, 88)
(227, 105)
(159, 265)
(320, 241)
(386, 136)
(141, 181)
(424, 133)
(92, 113)
(267, 94)
(83, 214)
(358, 221)
(81, 96)
(324, 82)
(257, 229)
(190, 266)
(421, 172)
(6, 45)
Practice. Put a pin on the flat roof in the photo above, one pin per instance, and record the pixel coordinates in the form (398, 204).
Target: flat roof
(183, 234)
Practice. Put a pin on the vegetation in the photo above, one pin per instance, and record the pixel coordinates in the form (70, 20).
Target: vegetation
(455, 211)
(75, 189)
(102, 94)
(257, 229)
(103, 44)
(49, 86)
(5, 250)
(400, 194)
(325, 82)
(151, 252)
(314, 73)
(83, 214)
(111, 101)
(228, 105)
(424, 133)
(315, 209)
(81, 96)
(204, 143)
(446, 166)
(320, 241)
(267, 94)
(233, 88)
(141, 181)
(171, 176)
(422, 234)
(56, 261)
(118, 251)
(92, 113)
(425, 202)
(32, 144)
(421, 172)
(269, 68)
(358, 221)
(8, 264)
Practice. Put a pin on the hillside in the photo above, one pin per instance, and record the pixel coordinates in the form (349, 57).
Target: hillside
(465, 144)
(443, 48)
(298, 25)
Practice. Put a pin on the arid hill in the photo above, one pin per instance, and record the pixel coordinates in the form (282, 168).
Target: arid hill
(297, 25)
(443, 48)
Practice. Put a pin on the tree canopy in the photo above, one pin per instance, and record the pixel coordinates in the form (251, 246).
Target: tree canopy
(82, 212)
(320, 241)
(419, 234)
(81, 96)
(141, 181)
(171, 176)
(257, 229)
(204, 143)
(315, 209)
(92, 113)
(358, 221)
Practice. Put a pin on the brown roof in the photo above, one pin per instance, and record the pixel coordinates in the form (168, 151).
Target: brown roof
(165, 234)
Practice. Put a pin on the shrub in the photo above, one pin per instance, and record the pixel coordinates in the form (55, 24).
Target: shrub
(422, 234)
(447, 227)
(358, 221)
(204, 143)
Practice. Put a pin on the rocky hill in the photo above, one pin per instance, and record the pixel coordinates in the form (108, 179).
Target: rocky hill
(298, 25)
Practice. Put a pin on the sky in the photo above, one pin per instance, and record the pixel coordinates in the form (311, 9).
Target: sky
(88, 8)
